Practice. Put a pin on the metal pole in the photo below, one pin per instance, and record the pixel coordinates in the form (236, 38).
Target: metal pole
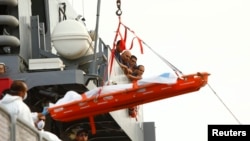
(93, 66)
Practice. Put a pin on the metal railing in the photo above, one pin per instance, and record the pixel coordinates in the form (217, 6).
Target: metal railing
(15, 129)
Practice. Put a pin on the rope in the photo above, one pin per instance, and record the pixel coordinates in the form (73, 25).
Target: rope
(175, 69)
(114, 44)
(118, 3)
(123, 39)
(224, 104)
(135, 37)
(62, 10)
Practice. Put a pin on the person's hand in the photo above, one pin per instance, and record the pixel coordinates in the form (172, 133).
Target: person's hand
(129, 71)
(41, 116)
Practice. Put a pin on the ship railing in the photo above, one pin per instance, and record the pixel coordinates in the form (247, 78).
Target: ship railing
(15, 129)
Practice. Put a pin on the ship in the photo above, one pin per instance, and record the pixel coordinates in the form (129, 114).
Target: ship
(46, 44)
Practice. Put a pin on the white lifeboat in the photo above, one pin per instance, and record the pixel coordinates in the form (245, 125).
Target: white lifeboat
(71, 39)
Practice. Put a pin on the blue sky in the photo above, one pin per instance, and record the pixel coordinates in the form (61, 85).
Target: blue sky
(194, 35)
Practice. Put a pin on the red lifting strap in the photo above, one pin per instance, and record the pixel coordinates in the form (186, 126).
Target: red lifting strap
(136, 37)
(123, 41)
(140, 43)
(122, 44)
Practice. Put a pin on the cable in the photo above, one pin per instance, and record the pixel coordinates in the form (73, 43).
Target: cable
(175, 69)
(224, 104)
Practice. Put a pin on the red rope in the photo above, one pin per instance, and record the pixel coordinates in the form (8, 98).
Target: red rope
(122, 45)
(136, 37)
(123, 41)
(140, 43)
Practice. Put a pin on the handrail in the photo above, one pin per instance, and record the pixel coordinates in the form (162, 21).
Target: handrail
(15, 129)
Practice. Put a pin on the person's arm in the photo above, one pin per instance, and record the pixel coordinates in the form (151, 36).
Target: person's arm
(132, 78)
(125, 69)
(123, 66)
(36, 116)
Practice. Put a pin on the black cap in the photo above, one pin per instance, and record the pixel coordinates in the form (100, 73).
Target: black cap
(82, 131)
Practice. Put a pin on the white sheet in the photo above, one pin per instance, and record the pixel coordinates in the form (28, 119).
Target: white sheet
(164, 78)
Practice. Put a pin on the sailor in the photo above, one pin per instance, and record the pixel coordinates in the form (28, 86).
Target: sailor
(82, 135)
(137, 73)
(125, 59)
(2, 68)
(118, 49)
(13, 102)
(133, 63)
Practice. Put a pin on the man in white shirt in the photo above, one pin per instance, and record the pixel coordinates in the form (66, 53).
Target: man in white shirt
(13, 103)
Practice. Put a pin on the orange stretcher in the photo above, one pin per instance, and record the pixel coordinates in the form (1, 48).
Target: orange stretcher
(103, 103)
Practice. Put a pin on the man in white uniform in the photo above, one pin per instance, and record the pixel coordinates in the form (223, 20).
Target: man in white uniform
(13, 103)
